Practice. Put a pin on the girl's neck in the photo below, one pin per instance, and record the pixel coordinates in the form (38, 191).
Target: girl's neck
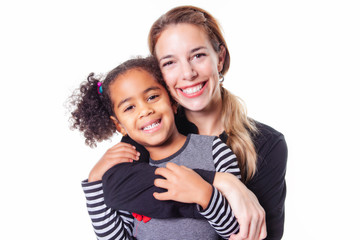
(168, 148)
(208, 120)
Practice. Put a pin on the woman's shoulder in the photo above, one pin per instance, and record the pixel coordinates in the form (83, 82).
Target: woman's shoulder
(269, 141)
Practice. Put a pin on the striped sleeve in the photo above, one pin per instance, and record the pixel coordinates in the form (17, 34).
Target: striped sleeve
(218, 212)
(219, 215)
(108, 224)
(224, 159)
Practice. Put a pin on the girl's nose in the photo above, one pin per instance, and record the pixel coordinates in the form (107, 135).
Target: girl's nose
(146, 111)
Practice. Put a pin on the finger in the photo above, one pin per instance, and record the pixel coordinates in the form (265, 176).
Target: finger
(254, 228)
(244, 229)
(123, 155)
(172, 166)
(161, 196)
(161, 183)
(166, 173)
(122, 145)
(125, 149)
(263, 231)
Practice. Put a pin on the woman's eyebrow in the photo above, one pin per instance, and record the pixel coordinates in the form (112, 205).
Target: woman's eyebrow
(191, 51)
(197, 49)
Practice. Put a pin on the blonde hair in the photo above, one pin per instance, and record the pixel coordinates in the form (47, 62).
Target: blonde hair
(236, 123)
(239, 128)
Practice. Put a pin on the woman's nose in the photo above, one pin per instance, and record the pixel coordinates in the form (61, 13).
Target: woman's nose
(188, 72)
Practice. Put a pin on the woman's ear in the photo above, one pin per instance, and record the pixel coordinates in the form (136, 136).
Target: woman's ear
(222, 55)
(118, 126)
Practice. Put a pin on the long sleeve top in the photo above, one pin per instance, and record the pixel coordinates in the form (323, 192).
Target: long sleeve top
(268, 184)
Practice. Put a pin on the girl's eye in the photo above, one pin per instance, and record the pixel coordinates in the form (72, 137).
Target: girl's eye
(128, 108)
(152, 97)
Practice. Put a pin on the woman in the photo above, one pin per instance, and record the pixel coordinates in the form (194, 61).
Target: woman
(193, 58)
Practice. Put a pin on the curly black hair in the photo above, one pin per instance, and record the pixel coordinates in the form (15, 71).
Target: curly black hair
(93, 110)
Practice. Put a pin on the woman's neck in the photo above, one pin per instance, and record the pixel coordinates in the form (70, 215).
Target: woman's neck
(209, 120)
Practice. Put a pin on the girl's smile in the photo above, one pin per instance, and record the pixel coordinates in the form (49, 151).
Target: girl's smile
(143, 110)
(152, 126)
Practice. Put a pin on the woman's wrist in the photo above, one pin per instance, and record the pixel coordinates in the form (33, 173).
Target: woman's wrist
(225, 182)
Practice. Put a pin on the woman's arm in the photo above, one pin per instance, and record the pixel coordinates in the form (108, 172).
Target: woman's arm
(270, 187)
(244, 205)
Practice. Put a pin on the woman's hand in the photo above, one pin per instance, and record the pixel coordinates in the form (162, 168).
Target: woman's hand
(245, 206)
(119, 153)
(183, 185)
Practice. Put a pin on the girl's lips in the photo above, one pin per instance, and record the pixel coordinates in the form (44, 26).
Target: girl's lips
(193, 91)
(152, 126)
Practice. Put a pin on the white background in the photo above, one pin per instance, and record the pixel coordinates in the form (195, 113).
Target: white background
(295, 63)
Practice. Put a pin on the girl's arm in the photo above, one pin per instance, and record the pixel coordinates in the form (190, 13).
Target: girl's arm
(130, 187)
(183, 185)
(107, 223)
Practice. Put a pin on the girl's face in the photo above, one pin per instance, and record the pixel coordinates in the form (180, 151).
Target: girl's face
(190, 66)
(142, 107)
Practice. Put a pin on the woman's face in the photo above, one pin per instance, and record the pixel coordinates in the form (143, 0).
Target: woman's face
(190, 66)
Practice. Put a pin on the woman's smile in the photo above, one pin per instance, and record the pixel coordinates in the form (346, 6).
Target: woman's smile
(194, 90)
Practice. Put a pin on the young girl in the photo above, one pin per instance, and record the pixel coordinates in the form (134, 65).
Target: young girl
(134, 101)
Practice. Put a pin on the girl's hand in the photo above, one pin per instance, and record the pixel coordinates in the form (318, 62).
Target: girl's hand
(119, 153)
(183, 185)
(245, 206)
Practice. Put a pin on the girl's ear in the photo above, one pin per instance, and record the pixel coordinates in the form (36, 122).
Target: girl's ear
(174, 107)
(118, 126)
(222, 55)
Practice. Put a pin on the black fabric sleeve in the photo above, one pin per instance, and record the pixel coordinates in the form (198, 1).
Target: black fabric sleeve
(130, 187)
(270, 188)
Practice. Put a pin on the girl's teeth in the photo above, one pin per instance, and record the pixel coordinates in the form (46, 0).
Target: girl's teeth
(152, 126)
(192, 89)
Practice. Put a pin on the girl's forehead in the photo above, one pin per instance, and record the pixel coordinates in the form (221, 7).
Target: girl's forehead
(133, 82)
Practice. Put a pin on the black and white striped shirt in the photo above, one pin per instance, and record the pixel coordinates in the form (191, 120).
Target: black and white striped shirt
(115, 224)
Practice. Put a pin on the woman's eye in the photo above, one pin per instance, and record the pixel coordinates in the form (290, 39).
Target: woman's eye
(167, 63)
(199, 55)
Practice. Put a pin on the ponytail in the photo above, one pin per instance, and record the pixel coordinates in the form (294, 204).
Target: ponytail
(92, 101)
(239, 129)
(91, 115)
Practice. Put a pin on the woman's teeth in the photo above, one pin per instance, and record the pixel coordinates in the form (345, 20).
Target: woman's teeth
(192, 90)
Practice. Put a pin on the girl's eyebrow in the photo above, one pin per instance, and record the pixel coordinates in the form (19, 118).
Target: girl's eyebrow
(192, 51)
(144, 92)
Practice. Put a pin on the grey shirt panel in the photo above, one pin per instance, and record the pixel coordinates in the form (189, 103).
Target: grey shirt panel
(195, 153)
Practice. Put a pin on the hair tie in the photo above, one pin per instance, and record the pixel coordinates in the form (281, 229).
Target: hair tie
(99, 88)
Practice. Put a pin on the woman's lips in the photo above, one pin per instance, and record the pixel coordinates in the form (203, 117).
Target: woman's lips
(193, 91)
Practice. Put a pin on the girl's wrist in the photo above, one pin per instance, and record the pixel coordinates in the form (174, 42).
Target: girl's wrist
(205, 196)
